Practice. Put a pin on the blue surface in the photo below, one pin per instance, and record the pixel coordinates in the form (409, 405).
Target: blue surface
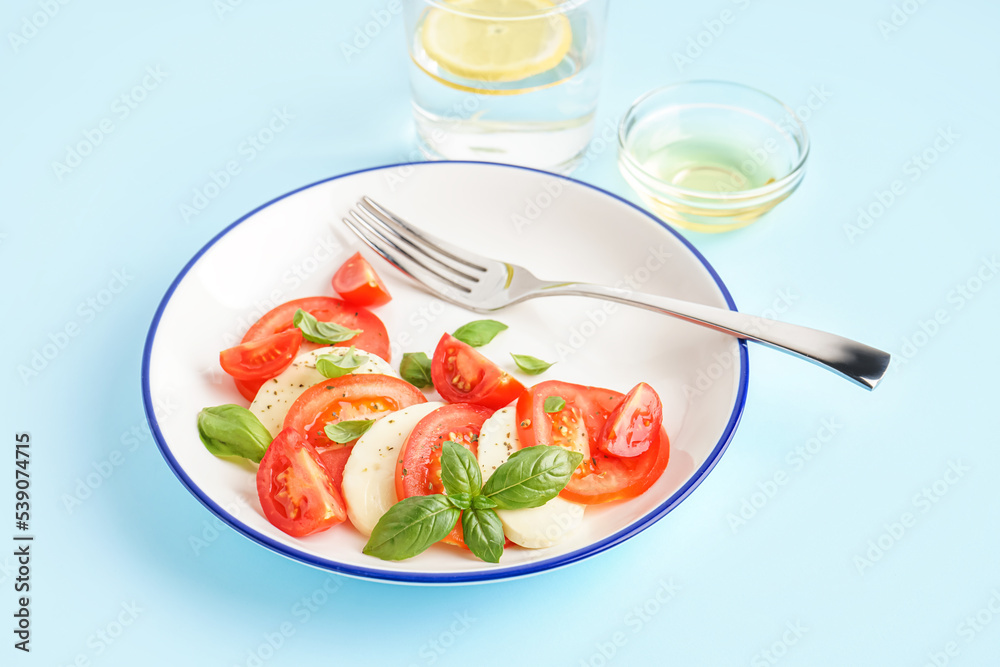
(138, 572)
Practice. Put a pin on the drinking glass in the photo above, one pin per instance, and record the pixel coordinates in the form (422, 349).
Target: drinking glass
(505, 80)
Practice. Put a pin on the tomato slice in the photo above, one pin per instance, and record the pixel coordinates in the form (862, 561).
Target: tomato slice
(348, 398)
(631, 427)
(295, 490)
(462, 375)
(613, 478)
(335, 460)
(357, 283)
(581, 419)
(249, 388)
(601, 477)
(373, 337)
(263, 358)
(418, 467)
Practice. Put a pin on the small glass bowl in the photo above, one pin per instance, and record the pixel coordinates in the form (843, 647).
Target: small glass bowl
(711, 156)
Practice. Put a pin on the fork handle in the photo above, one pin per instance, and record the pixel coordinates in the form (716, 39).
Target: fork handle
(859, 363)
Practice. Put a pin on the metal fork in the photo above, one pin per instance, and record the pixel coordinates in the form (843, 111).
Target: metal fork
(484, 285)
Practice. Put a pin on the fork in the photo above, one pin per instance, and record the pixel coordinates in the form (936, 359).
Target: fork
(483, 285)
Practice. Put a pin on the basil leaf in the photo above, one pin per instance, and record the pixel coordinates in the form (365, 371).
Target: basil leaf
(410, 526)
(531, 365)
(333, 366)
(347, 431)
(460, 470)
(325, 333)
(415, 368)
(483, 503)
(462, 501)
(483, 534)
(553, 404)
(479, 332)
(531, 477)
(232, 430)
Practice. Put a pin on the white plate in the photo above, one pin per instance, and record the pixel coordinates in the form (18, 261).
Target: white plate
(557, 227)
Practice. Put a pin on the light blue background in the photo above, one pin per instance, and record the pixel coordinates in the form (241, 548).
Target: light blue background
(793, 564)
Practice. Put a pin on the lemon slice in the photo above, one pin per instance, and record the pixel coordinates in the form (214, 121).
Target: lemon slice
(492, 48)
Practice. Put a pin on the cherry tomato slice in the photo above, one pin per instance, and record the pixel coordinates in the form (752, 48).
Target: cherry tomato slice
(335, 460)
(575, 426)
(263, 358)
(295, 490)
(631, 427)
(609, 478)
(357, 283)
(373, 337)
(348, 398)
(601, 477)
(418, 467)
(462, 375)
(248, 388)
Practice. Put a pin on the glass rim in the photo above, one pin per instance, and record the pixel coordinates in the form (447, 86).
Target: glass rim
(560, 7)
(771, 188)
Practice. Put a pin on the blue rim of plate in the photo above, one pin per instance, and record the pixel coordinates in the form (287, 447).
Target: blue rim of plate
(460, 577)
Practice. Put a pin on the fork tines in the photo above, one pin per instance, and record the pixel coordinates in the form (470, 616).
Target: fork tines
(413, 251)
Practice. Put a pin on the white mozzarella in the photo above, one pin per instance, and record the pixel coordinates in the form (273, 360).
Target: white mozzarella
(497, 441)
(533, 528)
(369, 477)
(276, 396)
(540, 527)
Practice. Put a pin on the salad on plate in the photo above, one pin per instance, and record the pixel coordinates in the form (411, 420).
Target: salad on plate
(450, 449)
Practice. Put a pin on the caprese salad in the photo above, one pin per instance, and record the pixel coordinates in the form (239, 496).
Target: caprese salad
(340, 435)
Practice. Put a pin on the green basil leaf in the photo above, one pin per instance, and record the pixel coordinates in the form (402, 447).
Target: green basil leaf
(232, 430)
(483, 503)
(479, 332)
(415, 368)
(531, 365)
(483, 534)
(460, 470)
(346, 431)
(553, 404)
(531, 477)
(410, 526)
(462, 501)
(333, 366)
(325, 333)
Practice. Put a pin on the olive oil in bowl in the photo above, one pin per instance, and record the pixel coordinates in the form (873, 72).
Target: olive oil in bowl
(707, 164)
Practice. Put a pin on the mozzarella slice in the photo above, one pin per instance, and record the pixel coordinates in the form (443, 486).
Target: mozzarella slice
(369, 486)
(533, 528)
(276, 396)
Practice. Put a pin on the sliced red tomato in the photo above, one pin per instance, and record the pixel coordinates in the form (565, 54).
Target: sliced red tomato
(263, 358)
(373, 337)
(575, 425)
(348, 398)
(632, 426)
(335, 460)
(356, 282)
(462, 375)
(249, 388)
(610, 477)
(418, 467)
(295, 490)
(601, 477)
